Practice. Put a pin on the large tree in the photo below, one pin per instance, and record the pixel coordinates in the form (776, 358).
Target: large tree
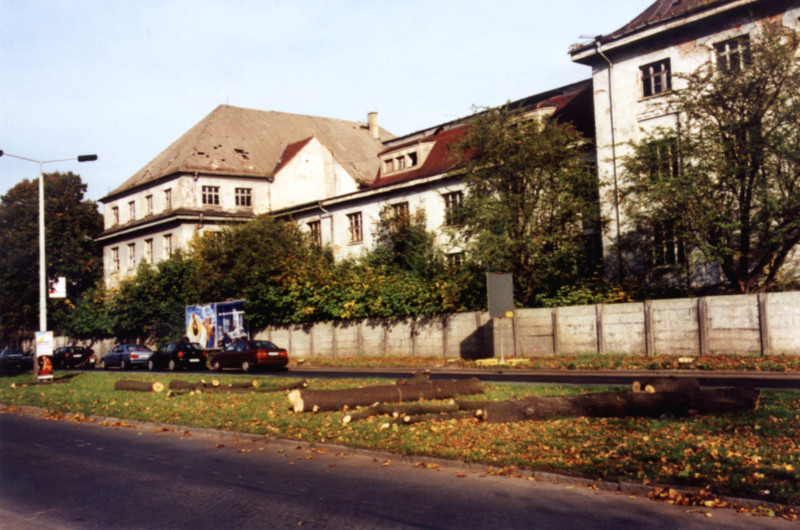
(530, 197)
(71, 224)
(726, 184)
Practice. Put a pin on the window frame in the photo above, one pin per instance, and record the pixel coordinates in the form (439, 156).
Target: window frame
(243, 197)
(210, 195)
(355, 228)
(656, 82)
(131, 256)
(725, 53)
(168, 199)
(315, 229)
(115, 265)
(168, 245)
(452, 201)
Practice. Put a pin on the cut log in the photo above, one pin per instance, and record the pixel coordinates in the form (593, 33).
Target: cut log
(666, 384)
(325, 400)
(622, 404)
(178, 384)
(399, 410)
(141, 386)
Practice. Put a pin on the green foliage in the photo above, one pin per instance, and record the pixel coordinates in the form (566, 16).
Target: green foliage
(530, 197)
(71, 224)
(727, 185)
(402, 243)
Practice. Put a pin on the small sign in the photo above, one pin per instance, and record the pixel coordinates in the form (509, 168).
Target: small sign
(509, 314)
(44, 355)
(58, 287)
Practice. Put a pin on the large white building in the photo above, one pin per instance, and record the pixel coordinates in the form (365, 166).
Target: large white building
(234, 164)
(634, 69)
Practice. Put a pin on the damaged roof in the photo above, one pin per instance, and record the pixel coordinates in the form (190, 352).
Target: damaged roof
(245, 142)
(572, 104)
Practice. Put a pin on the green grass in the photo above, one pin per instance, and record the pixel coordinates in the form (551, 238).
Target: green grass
(750, 454)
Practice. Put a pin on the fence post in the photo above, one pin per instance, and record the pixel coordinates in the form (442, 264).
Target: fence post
(556, 345)
(445, 321)
(649, 336)
(360, 338)
(601, 342)
(702, 324)
(763, 324)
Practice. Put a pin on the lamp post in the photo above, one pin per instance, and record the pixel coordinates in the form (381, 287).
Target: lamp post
(42, 268)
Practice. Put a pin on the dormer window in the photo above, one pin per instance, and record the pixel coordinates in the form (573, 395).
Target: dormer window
(401, 161)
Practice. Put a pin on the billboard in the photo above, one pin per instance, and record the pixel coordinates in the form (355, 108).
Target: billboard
(210, 324)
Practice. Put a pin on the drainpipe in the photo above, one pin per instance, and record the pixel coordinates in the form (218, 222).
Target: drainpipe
(613, 155)
(328, 216)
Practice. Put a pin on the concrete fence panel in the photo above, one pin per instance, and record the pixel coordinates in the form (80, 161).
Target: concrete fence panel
(733, 324)
(623, 329)
(674, 325)
(535, 332)
(576, 329)
(783, 322)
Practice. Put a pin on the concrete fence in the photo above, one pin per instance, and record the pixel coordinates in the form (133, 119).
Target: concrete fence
(744, 324)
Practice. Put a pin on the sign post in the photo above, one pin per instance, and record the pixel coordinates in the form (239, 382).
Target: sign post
(500, 294)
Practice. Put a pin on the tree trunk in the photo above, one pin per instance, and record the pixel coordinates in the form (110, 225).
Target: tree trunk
(325, 400)
(622, 404)
(127, 384)
(666, 384)
(398, 410)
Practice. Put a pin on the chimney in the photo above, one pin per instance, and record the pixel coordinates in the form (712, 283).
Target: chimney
(372, 122)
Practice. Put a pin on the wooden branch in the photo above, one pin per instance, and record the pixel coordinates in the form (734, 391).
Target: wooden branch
(325, 400)
(141, 386)
(666, 384)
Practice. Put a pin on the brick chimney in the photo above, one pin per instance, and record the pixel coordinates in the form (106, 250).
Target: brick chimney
(372, 122)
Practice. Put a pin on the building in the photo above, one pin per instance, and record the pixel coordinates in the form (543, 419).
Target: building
(234, 164)
(416, 174)
(635, 67)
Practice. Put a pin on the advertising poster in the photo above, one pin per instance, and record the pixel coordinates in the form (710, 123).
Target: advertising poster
(44, 355)
(231, 323)
(201, 325)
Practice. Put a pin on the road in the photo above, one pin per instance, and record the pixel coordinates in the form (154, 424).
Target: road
(68, 474)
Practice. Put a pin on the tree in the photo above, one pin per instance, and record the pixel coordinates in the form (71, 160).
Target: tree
(530, 195)
(403, 243)
(727, 183)
(71, 224)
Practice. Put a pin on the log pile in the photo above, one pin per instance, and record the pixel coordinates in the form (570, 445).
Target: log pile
(655, 397)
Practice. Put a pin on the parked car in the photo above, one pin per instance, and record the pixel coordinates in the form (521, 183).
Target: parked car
(15, 360)
(250, 355)
(73, 357)
(177, 355)
(126, 356)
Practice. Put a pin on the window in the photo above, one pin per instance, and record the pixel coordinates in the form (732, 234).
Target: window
(148, 250)
(355, 228)
(656, 78)
(452, 202)
(733, 55)
(243, 197)
(211, 195)
(168, 198)
(131, 255)
(412, 159)
(115, 214)
(400, 211)
(314, 227)
(132, 210)
(455, 260)
(148, 203)
(400, 163)
(668, 249)
(168, 245)
(388, 165)
(115, 259)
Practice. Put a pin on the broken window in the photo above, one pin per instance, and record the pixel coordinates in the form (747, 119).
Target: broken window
(656, 78)
(315, 228)
(733, 55)
(355, 229)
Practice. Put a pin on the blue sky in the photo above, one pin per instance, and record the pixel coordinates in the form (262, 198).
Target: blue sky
(124, 79)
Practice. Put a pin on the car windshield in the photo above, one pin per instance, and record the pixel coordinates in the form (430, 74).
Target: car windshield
(188, 346)
(137, 347)
(264, 345)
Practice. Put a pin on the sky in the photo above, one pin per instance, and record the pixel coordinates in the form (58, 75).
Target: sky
(123, 79)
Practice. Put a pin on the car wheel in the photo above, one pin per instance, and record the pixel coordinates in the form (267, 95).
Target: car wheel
(215, 366)
(172, 365)
(123, 365)
(151, 365)
(246, 366)
(103, 365)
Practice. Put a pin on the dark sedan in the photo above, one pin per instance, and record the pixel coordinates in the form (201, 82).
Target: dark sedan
(15, 360)
(177, 355)
(250, 355)
(73, 357)
(126, 356)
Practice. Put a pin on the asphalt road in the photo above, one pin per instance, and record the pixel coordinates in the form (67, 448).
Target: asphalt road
(67, 474)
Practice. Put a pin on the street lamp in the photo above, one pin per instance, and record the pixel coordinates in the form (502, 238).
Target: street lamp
(42, 269)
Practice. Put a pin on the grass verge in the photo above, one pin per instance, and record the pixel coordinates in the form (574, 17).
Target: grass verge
(754, 454)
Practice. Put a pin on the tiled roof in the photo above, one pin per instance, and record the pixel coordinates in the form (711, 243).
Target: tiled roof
(573, 104)
(247, 142)
(662, 11)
